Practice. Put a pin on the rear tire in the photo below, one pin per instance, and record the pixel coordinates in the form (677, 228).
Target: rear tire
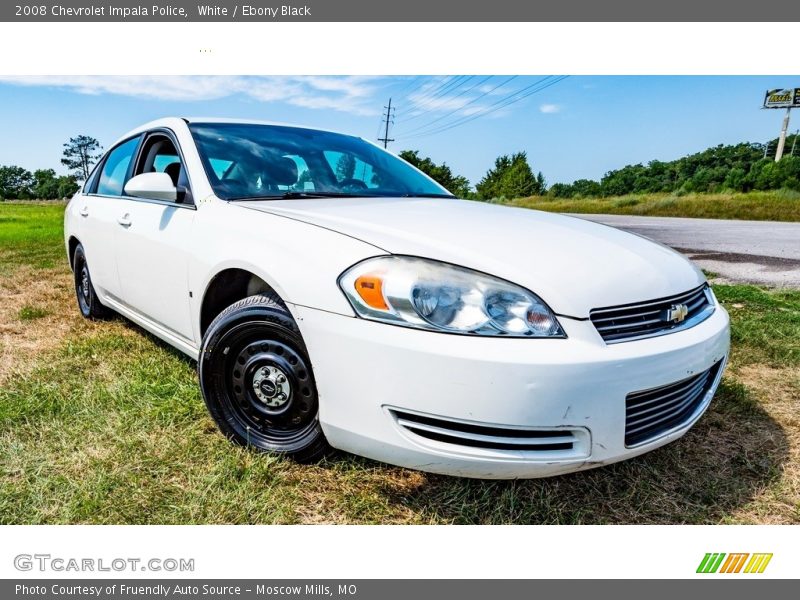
(257, 380)
(88, 302)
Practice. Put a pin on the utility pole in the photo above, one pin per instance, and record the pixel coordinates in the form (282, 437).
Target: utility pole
(388, 119)
(794, 142)
(782, 138)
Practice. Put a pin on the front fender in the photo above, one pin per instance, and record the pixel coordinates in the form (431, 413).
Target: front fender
(300, 261)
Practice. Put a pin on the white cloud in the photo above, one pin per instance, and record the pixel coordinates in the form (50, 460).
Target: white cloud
(346, 94)
(440, 103)
(549, 109)
(445, 95)
(492, 89)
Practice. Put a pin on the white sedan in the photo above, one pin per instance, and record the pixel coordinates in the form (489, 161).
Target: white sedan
(335, 296)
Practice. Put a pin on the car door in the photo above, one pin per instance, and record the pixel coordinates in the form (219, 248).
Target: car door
(152, 242)
(99, 210)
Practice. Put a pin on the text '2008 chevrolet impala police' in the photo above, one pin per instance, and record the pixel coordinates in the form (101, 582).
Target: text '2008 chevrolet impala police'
(335, 296)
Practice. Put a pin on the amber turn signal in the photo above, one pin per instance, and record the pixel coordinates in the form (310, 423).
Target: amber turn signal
(370, 288)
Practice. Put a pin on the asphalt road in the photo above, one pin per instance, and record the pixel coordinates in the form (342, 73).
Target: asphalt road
(761, 252)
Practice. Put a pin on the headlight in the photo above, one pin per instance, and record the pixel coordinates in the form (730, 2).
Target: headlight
(426, 294)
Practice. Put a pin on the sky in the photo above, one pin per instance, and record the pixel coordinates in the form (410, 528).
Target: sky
(571, 127)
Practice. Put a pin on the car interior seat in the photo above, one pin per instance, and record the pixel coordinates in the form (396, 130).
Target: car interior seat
(174, 171)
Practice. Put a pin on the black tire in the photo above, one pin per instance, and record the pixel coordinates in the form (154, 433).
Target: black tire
(88, 303)
(257, 380)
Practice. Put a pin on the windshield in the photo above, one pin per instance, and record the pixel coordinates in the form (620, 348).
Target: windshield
(245, 161)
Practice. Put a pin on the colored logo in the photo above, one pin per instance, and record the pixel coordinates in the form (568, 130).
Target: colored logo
(742, 562)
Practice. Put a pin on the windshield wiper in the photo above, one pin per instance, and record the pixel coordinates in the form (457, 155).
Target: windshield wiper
(289, 195)
(307, 195)
(295, 195)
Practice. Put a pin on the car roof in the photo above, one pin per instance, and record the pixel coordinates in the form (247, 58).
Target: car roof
(173, 122)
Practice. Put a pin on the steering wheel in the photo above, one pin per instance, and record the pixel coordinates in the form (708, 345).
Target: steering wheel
(352, 185)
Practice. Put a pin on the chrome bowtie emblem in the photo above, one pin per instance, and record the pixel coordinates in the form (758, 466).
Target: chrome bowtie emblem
(676, 313)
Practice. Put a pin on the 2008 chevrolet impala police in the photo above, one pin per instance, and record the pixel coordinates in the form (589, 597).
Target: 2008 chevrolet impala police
(334, 296)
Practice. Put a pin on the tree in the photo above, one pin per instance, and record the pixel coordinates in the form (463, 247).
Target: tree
(489, 186)
(345, 167)
(67, 186)
(45, 184)
(763, 175)
(735, 167)
(789, 169)
(442, 174)
(48, 186)
(736, 180)
(302, 180)
(585, 188)
(80, 153)
(561, 190)
(541, 184)
(15, 183)
(511, 177)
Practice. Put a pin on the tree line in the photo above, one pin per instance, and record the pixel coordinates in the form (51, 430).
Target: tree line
(80, 153)
(511, 177)
(738, 168)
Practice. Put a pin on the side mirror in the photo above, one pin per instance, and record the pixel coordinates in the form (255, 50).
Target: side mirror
(153, 186)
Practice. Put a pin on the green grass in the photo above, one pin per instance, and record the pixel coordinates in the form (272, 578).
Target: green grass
(781, 205)
(766, 324)
(31, 234)
(108, 426)
(31, 313)
(112, 429)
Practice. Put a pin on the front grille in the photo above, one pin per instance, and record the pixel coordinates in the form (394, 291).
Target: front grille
(651, 413)
(484, 436)
(646, 319)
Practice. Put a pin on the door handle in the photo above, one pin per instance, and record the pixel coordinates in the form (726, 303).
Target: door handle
(124, 220)
(84, 212)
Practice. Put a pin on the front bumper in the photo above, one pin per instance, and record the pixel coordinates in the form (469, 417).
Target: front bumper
(367, 371)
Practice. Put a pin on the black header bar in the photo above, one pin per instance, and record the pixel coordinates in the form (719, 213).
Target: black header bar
(397, 589)
(402, 11)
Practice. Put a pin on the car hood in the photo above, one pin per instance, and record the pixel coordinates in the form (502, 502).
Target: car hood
(572, 264)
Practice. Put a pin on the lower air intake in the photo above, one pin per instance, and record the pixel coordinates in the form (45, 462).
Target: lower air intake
(651, 413)
(490, 437)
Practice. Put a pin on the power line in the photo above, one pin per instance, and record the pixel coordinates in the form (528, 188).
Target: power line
(412, 86)
(463, 106)
(496, 105)
(436, 91)
(412, 81)
(429, 87)
(456, 83)
(380, 125)
(463, 121)
(503, 103)
(450, 99)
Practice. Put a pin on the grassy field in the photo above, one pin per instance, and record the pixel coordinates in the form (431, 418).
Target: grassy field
(781, 205)
(101, 423)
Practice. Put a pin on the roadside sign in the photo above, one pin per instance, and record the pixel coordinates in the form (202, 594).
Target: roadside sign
(782, 98)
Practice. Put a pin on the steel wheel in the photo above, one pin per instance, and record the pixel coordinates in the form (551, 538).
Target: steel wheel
(257, 380)
(88, 303)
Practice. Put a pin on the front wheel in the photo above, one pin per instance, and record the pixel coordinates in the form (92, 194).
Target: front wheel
(257, 380)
